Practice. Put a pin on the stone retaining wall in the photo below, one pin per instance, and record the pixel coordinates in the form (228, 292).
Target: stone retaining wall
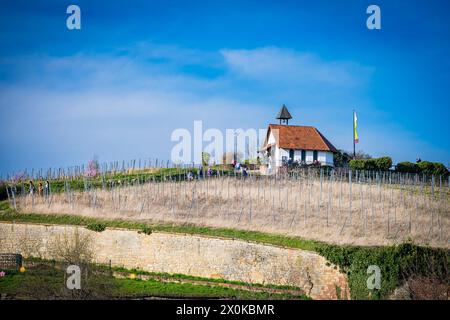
(194, 255)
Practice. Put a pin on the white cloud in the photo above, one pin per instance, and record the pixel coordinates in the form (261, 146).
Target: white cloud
(290, 67)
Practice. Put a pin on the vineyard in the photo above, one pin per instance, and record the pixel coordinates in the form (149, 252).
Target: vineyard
(338, 206)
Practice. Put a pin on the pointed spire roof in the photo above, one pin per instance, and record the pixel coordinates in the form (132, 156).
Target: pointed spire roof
(284, 115)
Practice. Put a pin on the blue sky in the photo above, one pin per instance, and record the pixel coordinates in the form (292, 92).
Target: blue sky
(137, 70)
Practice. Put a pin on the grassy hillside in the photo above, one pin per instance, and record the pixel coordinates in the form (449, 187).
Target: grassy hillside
(44, 280)
(397, 263)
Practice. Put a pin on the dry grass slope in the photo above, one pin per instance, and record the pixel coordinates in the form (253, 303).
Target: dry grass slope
(321, 208)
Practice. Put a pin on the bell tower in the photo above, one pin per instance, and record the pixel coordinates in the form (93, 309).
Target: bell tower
(284, 115)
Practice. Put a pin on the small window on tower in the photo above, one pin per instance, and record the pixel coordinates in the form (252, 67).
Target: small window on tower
(315, 155)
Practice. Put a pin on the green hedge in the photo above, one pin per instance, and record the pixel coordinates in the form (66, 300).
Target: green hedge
(432, 168)
(426, 167)
(397, 264)
(383, 164)
(407, 167)
(440, 169)
(357, 164)
(370, 164)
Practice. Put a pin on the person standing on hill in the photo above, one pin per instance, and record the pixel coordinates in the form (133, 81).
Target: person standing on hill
(32, 187)
(40, 189)
(47, 188)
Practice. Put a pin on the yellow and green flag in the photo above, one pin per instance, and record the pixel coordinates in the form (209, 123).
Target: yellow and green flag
(355, 133)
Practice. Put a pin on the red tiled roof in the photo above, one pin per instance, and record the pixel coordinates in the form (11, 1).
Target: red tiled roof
(299, 137)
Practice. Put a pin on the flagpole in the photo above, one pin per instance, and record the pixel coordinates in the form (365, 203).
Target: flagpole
(353, 127)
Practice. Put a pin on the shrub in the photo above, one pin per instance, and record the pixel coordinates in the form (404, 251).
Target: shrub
(146, 230)
(407, 167)
(440, 169)
(92, 169)
(426, 167)
(357, 164)
(383, 163)
(342, 158)
(370, 164)
(98, 227)
(397, 264)
(433, 168)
